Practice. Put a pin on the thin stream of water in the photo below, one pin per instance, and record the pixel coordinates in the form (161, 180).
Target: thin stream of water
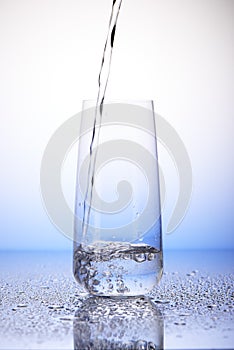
(102, 86)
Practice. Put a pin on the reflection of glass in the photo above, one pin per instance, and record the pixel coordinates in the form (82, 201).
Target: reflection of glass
(127, 323)
(118, 251)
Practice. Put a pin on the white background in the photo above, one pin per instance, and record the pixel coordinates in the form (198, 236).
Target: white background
(177, 52)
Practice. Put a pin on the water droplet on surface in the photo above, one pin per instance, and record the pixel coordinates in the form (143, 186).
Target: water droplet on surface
(55, 307)
(22, 305)
(180, 323)
(141, 345)
(151, 346)
(66, 318)
(160, 301)
(184, 315)
(129, 346)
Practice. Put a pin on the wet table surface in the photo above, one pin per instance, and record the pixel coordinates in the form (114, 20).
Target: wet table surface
(42, 307)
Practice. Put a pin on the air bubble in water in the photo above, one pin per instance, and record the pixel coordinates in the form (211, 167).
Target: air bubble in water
(92, 272)
(114, 268)
(127, 256)
(139, 257)
(83, 270)
(96, 282)
(151, 256)
(107, 274)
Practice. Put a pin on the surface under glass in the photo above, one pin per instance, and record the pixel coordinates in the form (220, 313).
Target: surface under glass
(42, 307)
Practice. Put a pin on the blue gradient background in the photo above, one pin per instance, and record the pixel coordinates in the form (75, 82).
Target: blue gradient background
(178, 52)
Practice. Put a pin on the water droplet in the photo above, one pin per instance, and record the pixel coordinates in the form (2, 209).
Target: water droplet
(55, 307)
(184, 315)
(141, 345)
(161, 301)
(129, 346)
(66, 318)
(180, 323)
(22, 305)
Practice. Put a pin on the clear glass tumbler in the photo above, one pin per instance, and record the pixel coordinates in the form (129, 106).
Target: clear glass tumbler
(118, 245)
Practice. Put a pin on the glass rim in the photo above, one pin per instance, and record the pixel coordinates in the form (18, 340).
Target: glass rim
(124, 100)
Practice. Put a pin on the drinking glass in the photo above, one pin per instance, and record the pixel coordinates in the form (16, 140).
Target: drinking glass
(117, 227)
